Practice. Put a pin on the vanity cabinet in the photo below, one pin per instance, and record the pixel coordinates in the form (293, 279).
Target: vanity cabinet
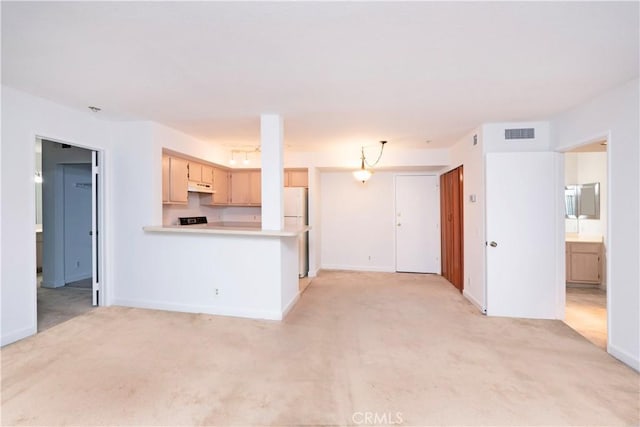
(584, 262)
(175, 177)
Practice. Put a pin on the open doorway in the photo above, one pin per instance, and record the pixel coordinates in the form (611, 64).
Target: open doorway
(66, 233)
(586, 241)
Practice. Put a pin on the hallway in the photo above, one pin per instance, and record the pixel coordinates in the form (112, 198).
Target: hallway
(586, 312)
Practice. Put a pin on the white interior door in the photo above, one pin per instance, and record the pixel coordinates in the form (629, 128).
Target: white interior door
(417, 224)
(523, 215)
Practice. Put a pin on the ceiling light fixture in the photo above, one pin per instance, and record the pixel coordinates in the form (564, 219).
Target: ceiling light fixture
(232, 161)
(363, 174)
(246, 158)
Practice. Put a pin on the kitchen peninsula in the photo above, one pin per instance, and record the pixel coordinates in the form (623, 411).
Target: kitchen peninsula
(231, 270)
(243, 269)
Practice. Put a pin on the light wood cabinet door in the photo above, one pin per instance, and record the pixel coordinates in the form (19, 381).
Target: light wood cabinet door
(178, 178)
(584, 262)
(298, 178)
(246, 187)
(207, 174)
(166, 190)
(195, 171)
(255, 187)
(240, 188)
(220, 186)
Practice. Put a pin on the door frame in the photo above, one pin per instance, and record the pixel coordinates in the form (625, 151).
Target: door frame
(395, 207)
(99, 267)
(606, 135)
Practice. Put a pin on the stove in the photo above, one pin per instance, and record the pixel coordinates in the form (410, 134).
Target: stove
(192, 220)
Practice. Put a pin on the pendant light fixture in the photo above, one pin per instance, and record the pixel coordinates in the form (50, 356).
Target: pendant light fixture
(363, 174)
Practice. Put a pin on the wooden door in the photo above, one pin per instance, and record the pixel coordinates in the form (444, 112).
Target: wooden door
(451, 218)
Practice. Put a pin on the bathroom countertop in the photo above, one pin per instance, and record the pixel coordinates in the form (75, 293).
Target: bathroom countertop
(574, 237)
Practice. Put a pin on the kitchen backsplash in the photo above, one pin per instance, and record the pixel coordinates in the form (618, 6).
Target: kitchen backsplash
(171, 213)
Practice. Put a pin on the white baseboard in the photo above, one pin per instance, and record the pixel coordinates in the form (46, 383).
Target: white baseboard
(624, 357)
(473, 300)
(205, 309)
(359, 268)
(77, 277)
(291, 304)
(17, 335)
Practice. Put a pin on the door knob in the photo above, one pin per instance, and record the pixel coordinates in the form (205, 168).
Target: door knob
(493, 244)
(399, 224)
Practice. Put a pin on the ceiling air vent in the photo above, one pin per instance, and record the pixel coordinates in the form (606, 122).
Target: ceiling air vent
(526, 133)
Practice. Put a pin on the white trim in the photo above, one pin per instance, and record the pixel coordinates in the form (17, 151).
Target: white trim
(388, 269)
(17, 335)
(474, 301)
(290, 306)
(203, 309)
(623, 356)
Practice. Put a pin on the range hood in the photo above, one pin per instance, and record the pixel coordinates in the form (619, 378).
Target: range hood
(200, 187)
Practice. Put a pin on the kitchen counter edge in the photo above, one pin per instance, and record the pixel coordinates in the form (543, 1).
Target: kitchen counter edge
(239, 231)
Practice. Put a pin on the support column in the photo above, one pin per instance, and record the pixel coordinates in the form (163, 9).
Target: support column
(271, 139)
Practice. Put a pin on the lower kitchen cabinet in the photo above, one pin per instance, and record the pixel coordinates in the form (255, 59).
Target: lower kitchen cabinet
(584, 262)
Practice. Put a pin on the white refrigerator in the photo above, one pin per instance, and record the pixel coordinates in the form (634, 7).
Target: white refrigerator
(295, 214)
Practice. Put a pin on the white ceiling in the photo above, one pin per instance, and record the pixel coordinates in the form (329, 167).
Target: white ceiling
(338, 72)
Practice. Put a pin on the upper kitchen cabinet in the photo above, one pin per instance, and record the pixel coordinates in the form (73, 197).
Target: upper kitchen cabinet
(296, 178)
(165, 179)
(220, 194)
(246, 187)
(195, 171)
(200, 173)
(175, 178)
(255, 187)
(207, 174)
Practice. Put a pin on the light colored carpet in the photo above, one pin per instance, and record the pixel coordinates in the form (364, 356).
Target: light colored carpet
(400, 347)
(586, 312)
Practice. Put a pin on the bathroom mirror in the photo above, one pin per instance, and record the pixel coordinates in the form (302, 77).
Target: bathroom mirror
(582, 201)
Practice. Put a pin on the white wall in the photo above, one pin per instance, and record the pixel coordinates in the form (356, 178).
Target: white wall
(472, 158)
(23, 118)
(615, 115)
(358, 228)
(494, 137)
(585, 168)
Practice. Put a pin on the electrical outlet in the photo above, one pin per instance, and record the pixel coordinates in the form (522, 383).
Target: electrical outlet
(217, 291)
(369, 257)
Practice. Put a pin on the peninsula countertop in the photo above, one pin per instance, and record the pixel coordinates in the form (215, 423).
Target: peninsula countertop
(228, 228)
